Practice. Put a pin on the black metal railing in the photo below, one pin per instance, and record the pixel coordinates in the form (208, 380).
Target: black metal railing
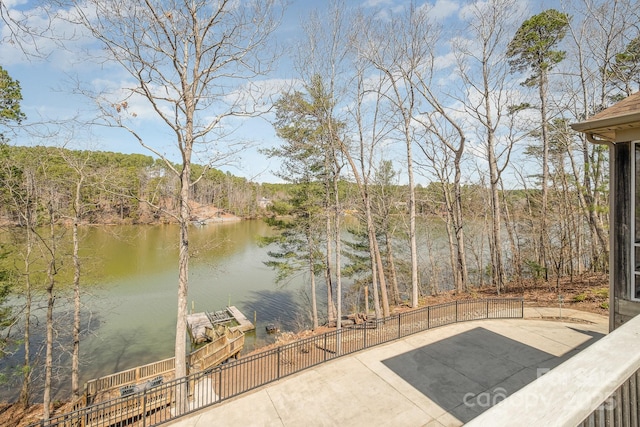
(159, 404)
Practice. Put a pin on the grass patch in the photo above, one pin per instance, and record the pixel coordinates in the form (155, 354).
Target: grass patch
(602, 293)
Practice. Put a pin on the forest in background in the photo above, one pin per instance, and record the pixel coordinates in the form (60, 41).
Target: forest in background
(118, 188)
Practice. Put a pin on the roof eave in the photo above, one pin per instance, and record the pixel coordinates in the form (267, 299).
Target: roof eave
(605, 126)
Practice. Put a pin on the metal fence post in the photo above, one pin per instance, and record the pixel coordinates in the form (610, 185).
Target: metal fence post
(502, 308)
(364, 333)
(144, 408)
(278, 368)
(325, 346)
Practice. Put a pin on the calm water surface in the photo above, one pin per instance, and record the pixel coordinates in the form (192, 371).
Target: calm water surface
(130, 304)
(135, 307)
(130, 277)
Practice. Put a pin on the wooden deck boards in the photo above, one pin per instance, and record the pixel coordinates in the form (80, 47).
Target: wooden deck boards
(243, 323)
(198, 322)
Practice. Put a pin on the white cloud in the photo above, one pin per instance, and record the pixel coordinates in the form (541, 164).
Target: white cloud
(442, 62)
(43, 34)
(259, 95)
(443, 9)
(12, 4)
(512, 12)
(376, 3)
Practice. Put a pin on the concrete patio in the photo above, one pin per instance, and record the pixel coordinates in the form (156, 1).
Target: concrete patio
(441, 377)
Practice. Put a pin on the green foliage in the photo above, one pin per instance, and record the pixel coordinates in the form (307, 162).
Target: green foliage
(295, 249)
(281, 207)
(593, 295)
(10, 97)
(602, 293)
(296, 244)
(513, 109)
(625, 71)
(116, 185)
(308, 161)
(580, 297)
(532, 46)
(536, 270)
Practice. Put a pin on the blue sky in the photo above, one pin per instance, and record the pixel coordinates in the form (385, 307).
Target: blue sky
(46, 84)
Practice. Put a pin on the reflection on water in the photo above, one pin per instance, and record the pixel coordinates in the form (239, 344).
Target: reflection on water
(130, 304)
(278, 307)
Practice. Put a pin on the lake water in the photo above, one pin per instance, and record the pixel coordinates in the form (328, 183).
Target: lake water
(129, 282)
(130, 303)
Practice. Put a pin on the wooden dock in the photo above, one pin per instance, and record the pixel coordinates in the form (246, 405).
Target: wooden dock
(199, 323)
(244, 324)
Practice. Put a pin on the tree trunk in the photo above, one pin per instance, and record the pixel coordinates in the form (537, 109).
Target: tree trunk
(497, 268)
(545, 176)
(374, 273)
(510, 226)
(331, 308)
(386, 312)
(337, 239)
(28, 214)
(458, 221)
(314, 303)
(392, 270)
(412, 229)
(25, 391)
(457, 282)
(183, 283)
(75, 355)
(48, 363)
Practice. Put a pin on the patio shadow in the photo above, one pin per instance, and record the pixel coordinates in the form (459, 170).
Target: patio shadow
(468, 373)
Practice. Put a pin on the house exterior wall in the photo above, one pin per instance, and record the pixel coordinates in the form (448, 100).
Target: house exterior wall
(621, 214)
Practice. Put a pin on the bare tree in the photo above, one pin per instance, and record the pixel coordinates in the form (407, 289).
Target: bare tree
(372, 129)
(186, 60)
(386, 195)
(330, 59)
(19, 28)
(18, 191)
(20, 198)
(396, 49)
(403, 50)
(599, 31)
(80, 164)
(482, 67)
(52, 270)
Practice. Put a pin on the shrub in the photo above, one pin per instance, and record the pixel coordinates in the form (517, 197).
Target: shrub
(580, 297)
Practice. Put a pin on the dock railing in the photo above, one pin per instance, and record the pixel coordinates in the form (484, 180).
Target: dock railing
(217, 351)
(217, 384)
(130, 376)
